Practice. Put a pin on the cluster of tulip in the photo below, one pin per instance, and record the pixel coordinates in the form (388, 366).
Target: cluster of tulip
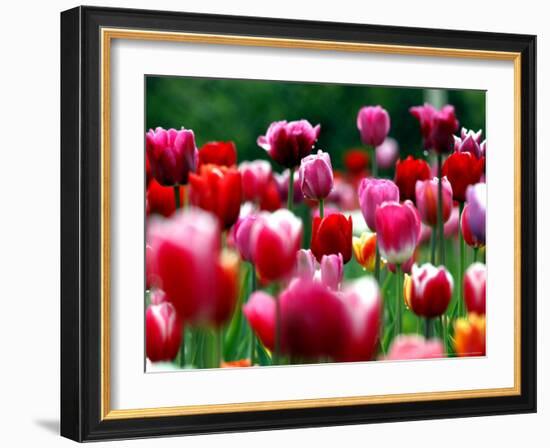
(231, 280)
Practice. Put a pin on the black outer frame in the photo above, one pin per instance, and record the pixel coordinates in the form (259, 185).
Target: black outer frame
(80, 223)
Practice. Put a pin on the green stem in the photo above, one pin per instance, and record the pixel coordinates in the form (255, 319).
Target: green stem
(277, 351)
(377, 263)
(428, 328)
(219, 346)
(440, 211)
(476, 250)
(399, 300)
(321, 208)
(252, 335)
(373, 163)
(290, 200)
(433, 244)
(460, 264)
(177, 196)
(445, 330)
(182, 349)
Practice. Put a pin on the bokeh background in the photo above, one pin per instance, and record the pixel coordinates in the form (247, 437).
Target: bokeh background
(241, 110)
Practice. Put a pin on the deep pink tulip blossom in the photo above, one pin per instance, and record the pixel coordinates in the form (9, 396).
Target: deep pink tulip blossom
(260, 311)
(429, 289)
(373, 193)
(289, 142)
(475, 288)
(275, 239)
(163, 330)
(398, 231)
(255, 178)
(316, 177)
(172, 155)
(406, 347)
(387, 153)
(332, 270)
(373, 123)
(476, 196)
(242, 233)
(426, 199)
(469, 141)
(364, 305)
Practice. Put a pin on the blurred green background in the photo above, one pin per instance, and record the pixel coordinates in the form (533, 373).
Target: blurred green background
(241, 110)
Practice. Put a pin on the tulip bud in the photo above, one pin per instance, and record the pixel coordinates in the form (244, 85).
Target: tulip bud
(429, 290)
(356, 161)
(172, 155)
(289, 142)
(462, 169)
(218, 153)
(477, 197)
(387, 153)
(414, 347)
(364, 248)
(332, 270)
(260, 311)
(397, 229)
(469, 339)
(474, 288)
(305, 264)
(316, 178)
(466, 229)
(444, 125)
(242, 234)
(407, 173)
(270, 199)
(373, 123)
(426, 200)
(469, 141)
(372, 193)
(163, 330)
(256, 176)
(227, 270)
(332, 235)
(160, 199)
(424, 114)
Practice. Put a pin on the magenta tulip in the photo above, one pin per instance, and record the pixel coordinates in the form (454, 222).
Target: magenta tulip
(474, 288)
(476, 196)
(172, 155)
(424, 114)
(469, 141)
(406, 347)
(426, 200)
(163, 330)
(398, 230)
(437, 126)
(332, 270)
(387, 153)
(255, 177)
(241, 233)
(260, 311)
(373, 123)
(428, 290)
(373, 193)
(316, 177)
(289, 142)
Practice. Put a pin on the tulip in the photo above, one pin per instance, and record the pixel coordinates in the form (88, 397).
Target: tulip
(364, 248)
(387, 153)
(407, 173)
(428, 290)
(474, 288)
(282, 181)
(316, 178)
(151, 277)
(172, 155)
(270, 199)
(289, 142)
(160, 199)
(332, 270)
(364, 305)
(406, 267)
(237, 363)
(275, 239)
(157, 297)
(260, 311)
(426, 200)
(462, 169)
(372, 193)
(218, 153)
(217, 189)
(424, 114)
(163, 330)
(469, 339)
(483, 148)
(477, 197)
(305, 264)
(444, 125)
(469, 141)
(415, 347)
(227, 277)
(343, 194)
(450, 229)
(331, 235)
(242, 235)
(466, 229)
(373, 123)
(356, 161)
(256, 177)
(148, 171)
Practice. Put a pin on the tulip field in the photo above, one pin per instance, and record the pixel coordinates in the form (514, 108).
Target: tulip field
(268, 248)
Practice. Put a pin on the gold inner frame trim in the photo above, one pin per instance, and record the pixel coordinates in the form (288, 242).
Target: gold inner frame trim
(107, 35)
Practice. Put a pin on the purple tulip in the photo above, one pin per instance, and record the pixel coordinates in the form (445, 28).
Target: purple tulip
(172, 155)
(387, 153)
(476, 196)
(332, 270)
(282, 185)
(373, 123)
(469, 141)
(372, 193)
(289, 142)
(316, 178)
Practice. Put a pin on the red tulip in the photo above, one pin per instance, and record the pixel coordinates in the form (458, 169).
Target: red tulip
(463, 169)
(415, 347)
(161, 199)
(426, 200)
(356, 161)
(256, 176)
(218, 153)
(474, 288)
(260, 311)
(218, 190)
(331, 235)
(275, 239)
(227, 276)
(373, 123)
(407, 173)
(163, 329)
(271, 199)
(172, 155)
(428, 290)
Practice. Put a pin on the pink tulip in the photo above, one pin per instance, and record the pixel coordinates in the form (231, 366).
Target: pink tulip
(466, 229)
(316, 177)
(415, 347)
(343, 195)
(332, 270)
(373, 193)
(398, 230)
(364, 305)
(474, 288)
(172, 155)
(469, 141)
(242, 233)
(476, 195)
(424, 114)
(426, 200)
(450, 229)
(387, 153)
(428, 290)
(275, 239)
(289, 142)
(373, 123)
(163, 330)
(255, 177)
(260, 311)
(305, 264)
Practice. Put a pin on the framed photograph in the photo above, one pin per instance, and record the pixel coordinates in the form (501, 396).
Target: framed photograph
(276, 224)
